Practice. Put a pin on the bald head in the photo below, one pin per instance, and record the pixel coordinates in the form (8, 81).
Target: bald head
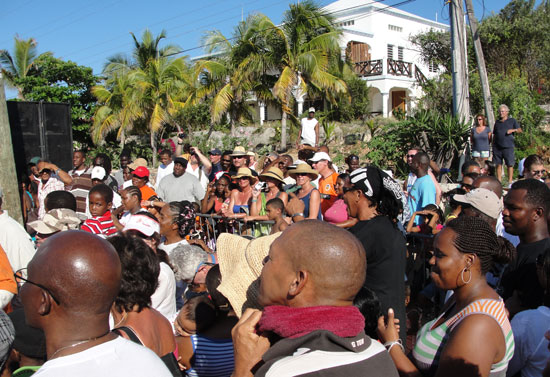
(490, 183)
(82, 270)
(334, 258)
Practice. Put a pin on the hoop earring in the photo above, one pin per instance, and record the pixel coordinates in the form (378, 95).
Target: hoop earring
(462, 276)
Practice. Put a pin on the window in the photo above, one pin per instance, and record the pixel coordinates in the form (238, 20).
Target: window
(347, 23)
(400, 53)
(399, 29)
(390, 51)
(432, 67)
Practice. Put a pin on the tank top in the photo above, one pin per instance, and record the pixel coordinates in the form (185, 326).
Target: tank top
(481, 140)
(211, 357)
(305, 199)
(430, 342)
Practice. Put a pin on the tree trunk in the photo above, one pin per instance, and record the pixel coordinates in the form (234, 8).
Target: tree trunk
(154, 148)
(122, 139)
(8, 175)
(283, 130)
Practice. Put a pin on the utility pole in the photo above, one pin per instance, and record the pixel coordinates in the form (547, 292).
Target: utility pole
(8, 177)
(481, 65)
(461, 106)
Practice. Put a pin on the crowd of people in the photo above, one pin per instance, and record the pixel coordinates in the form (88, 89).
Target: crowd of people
(334, 270)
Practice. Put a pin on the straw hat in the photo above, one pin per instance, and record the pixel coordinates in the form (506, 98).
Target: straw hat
(241, 263)
(243, 172)
(304, 169)
(238, 151)
(56, 220)
(137, 163)
(275, 173)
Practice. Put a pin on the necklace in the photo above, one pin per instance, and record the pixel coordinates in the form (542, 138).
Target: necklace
(121, 320)
(78, 343)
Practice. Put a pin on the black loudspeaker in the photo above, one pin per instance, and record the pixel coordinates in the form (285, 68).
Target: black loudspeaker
(41, 129)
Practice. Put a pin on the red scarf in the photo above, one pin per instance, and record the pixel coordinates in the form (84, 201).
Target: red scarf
(287, 322)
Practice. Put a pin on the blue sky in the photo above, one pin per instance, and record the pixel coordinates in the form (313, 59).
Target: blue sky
(88, 32)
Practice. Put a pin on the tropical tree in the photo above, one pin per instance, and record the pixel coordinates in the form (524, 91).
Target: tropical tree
(19, 64)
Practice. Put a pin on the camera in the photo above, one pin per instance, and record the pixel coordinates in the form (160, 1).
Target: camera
(261, 186)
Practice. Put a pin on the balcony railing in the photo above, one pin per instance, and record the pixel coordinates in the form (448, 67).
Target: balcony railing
(392, 67)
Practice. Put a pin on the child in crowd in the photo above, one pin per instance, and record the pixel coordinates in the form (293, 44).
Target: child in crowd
(453, 208)
(275, 209)
(101, 201)
(131, 204)
(433, 218)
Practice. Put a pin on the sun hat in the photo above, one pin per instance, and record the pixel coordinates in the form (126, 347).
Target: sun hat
(137, 163)
(143, 224)
(304, 169)
(275, 173)
(98, 172)
(141, 172)
(241, 263)
(483, 200)
(238, 151)
(243, 172)
(320, 156)
(311, 110)
(29, 341)
(56, 220)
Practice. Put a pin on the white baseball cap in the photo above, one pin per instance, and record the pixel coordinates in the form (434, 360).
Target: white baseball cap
(98, 173)
(320, 156)
(142, 223)
(311, 110)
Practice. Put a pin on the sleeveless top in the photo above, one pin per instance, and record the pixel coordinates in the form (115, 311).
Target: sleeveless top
(305, 199)
(430, 342)
(481, 140)
(211, 357)
(263, 229)
(337, 213)
(240, 208)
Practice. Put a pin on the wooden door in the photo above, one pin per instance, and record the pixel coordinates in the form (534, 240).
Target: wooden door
(398, 100)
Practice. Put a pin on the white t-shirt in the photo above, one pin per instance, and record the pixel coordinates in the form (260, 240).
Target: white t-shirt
(308, 131)
(169, 248)
(119, 357)
(163, 171)
(16, 242)
(164, 298)
(201, 175)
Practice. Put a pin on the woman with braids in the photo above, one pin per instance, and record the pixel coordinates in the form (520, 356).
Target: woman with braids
(376, 201)
(529, 326)
(131, 204)
(472, 336)
(132, 313)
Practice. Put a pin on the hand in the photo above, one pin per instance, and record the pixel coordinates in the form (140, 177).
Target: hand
(295, 205)
(210, 188)
(146, 203)
(388, 331)
(255, 193)
(249, 346)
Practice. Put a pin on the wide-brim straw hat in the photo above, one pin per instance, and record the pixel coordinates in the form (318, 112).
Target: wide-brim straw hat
(304, 169)
(275, 173)
(241, 263)
(243, 172)
(56, 220)
(238, 151)
(137, 163)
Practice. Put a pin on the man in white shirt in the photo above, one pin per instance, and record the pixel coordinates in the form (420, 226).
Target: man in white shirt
(72, 282)
(196, 159)
(180, 185)
(52, 178)
(166, 166)
(309, 132)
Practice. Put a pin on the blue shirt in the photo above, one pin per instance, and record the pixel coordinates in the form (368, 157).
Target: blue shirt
(501, 137)
(422, 193)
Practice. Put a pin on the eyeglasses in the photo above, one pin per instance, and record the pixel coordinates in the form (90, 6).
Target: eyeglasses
(45, 171)
(243, 178)
(479, 118)
(410, 155)
(237, 157)
(21, 280)
(537, 172)
(301, 174)
(224, 160)
(466, 186)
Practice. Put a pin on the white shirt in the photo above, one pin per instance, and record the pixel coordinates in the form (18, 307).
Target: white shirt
(163, 171)
(170, 247)
(500, 231)
(119, 357)
(308, 131)
(200, 173)
(164, 298)
(16, 242)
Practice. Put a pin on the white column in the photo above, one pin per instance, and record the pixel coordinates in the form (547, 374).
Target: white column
(262, 113)
(300, 102)
(385, 98)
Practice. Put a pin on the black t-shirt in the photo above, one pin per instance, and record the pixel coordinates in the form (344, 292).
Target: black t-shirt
(502, 139)
(521, 274)
(386, 251)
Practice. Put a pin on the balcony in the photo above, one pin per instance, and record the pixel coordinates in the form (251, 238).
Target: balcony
(392, 67)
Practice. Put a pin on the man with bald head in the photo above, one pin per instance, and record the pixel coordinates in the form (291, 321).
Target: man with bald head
(72, 282)
(309, 280)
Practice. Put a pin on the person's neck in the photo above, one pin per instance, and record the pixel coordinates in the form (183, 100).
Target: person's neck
(538, 234)
(470, 292)
(366, 212)
(504, 119)
(172, 238)
(421, 173)
(135, 210)
(80, 167)
(327, 172)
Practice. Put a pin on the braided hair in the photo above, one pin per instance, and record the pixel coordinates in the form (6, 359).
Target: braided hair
(184, 216)
(134, 191)
(475, 236)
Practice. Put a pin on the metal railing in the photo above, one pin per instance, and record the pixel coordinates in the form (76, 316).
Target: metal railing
(213, 225)
(394, 67)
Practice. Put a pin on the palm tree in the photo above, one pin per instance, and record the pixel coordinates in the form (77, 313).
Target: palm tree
(18, 66)
(302, 49)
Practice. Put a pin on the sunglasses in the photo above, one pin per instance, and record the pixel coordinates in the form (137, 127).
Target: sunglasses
(537, 172)
(21, 280)
(200, 266)
(410, 155)
(302, 174)
(45, 171)
(224, 160)
(237, 157)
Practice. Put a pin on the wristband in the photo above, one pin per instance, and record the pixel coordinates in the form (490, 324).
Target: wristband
(57, 171)
(389, 345)
(254, 200)
(298, 214)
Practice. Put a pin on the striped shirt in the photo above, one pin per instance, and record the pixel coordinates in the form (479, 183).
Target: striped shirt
(211, 357)
(82, 183)
(431, 341)
(101, 225)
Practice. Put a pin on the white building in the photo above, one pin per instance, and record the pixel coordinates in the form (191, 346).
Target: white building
(376, 38)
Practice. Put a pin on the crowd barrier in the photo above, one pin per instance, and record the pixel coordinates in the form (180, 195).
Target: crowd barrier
(212, 226)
